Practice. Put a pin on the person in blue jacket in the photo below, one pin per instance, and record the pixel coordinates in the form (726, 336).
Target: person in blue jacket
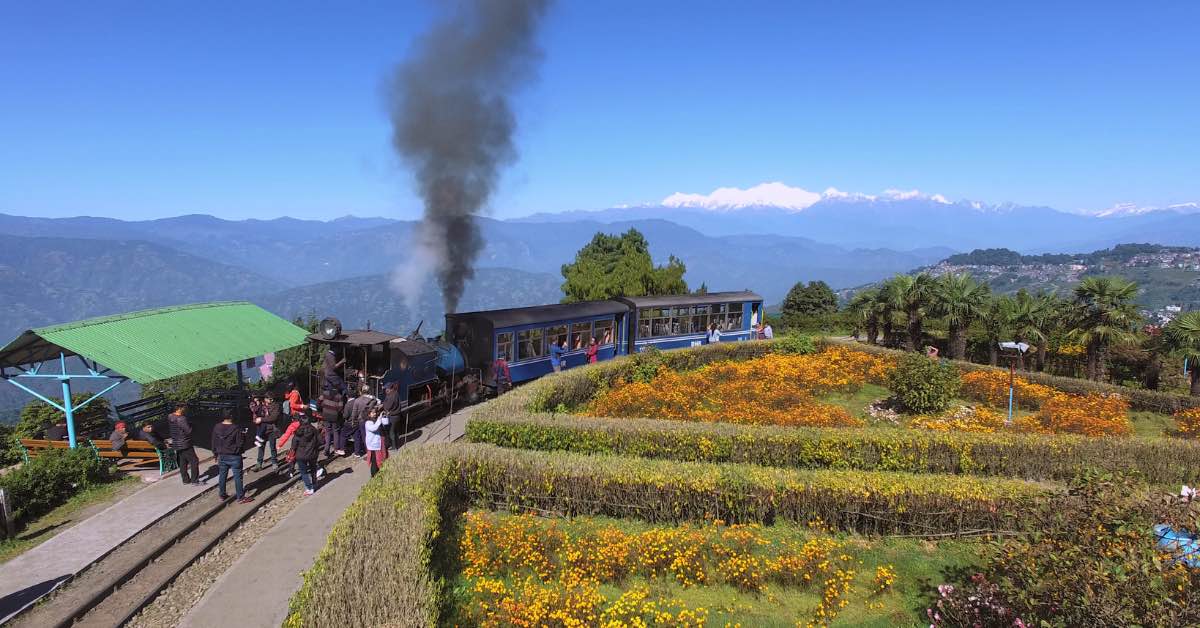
(556, 355)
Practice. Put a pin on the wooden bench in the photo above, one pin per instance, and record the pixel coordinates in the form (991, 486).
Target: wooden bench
(34, 447)
(136, 450)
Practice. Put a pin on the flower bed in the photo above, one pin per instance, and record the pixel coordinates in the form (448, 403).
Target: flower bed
(770, 390)
(383, 561)
(522, 570)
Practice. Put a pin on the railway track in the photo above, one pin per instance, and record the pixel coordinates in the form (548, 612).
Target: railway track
(113, 590)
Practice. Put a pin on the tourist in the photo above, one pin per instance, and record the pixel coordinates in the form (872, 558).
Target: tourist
(356, 417)
(593, 351)
(714, 334)
(150, 436)
(267, 431)
(180, 430)
(768, 333)
(57, 431)
(294, 400)
(376, 451)
(556, 355)
(331, 410)
(227, 446)
(392, 412)
(307, 447)
(118, 437)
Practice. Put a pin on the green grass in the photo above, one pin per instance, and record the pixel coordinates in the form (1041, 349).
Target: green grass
(920, 566)
(45, 527)
(856, 402)
(1151, 424)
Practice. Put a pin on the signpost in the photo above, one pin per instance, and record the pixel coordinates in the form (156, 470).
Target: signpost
(1012, 350)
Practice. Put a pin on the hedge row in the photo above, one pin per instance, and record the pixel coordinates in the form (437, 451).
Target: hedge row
(869, 502)
(1030, 457)
(380, 563)
(384, 562)
(1139, 399)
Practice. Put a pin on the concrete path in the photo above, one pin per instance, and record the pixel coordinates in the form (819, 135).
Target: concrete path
(256, 590)
(33, 574)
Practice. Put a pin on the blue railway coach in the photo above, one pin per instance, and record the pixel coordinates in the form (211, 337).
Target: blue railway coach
(522, 336)
(676, 321)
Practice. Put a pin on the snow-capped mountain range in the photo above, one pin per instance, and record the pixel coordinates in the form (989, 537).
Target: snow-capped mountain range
(906, 219)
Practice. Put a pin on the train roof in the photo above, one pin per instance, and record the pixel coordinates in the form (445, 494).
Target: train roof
(512, 317)
(691, 299)
(357, 337)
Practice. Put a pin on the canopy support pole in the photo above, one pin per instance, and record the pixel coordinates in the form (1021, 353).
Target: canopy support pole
(68, 406)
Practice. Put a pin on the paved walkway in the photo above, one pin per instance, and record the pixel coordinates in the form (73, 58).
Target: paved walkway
(33, 574)
(256, 589)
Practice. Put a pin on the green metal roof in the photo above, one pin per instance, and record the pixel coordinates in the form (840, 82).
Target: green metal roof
(151, 345)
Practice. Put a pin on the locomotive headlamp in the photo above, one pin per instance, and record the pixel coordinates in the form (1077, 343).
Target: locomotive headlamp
(329, 328)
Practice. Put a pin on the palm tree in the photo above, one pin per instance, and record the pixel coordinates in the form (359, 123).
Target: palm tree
(885, 310)
(997, 323)
(1032, 317)
(1104, 314)
(864, 312)
(912, 295)
(960, 299)
(1183, 336)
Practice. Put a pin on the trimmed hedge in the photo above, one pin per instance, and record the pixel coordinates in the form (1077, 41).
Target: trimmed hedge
(1139, 399)
(1027, 456)
(380, 561)
(384, 561)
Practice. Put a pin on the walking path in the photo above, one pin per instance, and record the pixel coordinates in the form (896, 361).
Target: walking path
(33, 574)
(257, 588)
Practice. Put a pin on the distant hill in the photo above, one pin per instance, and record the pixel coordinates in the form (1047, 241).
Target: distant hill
(295, 252)
(1166, 275)
(56, 280)
(360, 300)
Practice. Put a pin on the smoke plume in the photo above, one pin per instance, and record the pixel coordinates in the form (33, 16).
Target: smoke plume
(452, 123)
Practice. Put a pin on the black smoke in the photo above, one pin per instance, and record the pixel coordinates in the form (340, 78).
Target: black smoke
(453, 124)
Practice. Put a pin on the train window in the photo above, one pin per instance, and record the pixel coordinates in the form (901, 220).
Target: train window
(557, 335)
(504, 346)
(699, 319)
(581, 334)
(604, 332)
(529, 344)
(734, 322)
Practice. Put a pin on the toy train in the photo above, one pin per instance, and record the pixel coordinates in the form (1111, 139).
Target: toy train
(482, 352)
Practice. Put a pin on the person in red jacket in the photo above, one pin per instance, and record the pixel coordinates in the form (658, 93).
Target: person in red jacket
(593, 351)
(295, 402)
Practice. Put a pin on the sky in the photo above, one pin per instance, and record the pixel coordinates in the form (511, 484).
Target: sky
(262, 109)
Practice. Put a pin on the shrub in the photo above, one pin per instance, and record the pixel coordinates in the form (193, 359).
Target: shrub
(922, 385)
(991, 387)
(1095, 564)
(52, 478)
(1094, 414)
(1187, 423)
(1166, 462)
(963, 419)
(796, 344)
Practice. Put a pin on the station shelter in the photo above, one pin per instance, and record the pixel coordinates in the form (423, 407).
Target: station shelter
(142, 347)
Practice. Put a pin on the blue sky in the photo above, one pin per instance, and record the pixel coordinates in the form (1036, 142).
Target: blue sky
(138, 110)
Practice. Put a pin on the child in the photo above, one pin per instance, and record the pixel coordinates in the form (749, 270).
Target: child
(376, 449)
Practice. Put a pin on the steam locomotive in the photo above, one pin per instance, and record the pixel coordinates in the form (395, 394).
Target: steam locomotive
(482, 352)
